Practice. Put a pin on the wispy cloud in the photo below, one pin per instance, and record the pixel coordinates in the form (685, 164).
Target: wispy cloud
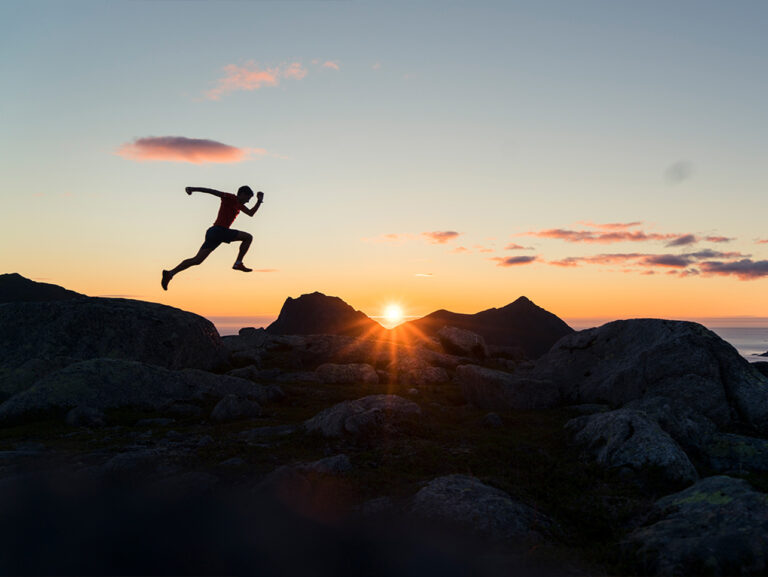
(460, 250)
(424, 274)
(183, 149)
(719, 239)
(391, 238)
(761, 240)
(686, 264)
(601, 237)
(611, 225)
(332, 64)
(515, 246)
(251, 76)
(744, 269)
(441, 236)
(514, 260)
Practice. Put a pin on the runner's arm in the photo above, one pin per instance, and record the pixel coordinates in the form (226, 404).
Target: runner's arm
(251, 211)
(191, 189)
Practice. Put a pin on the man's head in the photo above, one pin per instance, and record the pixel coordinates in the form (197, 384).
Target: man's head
(244, 194)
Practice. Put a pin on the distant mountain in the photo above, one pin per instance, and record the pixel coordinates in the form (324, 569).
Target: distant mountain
(16, 288)
(317, 314)
(519, 324)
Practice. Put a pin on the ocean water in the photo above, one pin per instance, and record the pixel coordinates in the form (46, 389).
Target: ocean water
(751, 342)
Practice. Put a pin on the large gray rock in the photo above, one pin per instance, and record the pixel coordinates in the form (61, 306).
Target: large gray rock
(86, 328)
(456, 341)
(371, 415)
(630, 440)
(111, 383)
(465, 501)
(349, 374)
(715, 527)
(624, 361)
(496, 390)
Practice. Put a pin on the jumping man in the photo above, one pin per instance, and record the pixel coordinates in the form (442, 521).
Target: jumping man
(220, 232)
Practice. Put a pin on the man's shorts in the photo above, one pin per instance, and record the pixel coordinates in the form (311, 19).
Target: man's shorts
(215, 235)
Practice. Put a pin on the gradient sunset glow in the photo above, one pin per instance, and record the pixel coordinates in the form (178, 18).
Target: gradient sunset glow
(603, 159)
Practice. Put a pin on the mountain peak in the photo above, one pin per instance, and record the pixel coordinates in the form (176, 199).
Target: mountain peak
(317, 313)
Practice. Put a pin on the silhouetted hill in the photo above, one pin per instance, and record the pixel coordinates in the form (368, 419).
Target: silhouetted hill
(318, 314)
(519, 324)
(16, 288)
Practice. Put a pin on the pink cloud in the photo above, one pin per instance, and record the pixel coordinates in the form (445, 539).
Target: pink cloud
(440, 236)
(181, 149)
(514, 260)
(515, 246)
(332, 64)
(762, 241)
(592, 236)
(718, 239)
(612, 225)
(251, 76)
(461, 250)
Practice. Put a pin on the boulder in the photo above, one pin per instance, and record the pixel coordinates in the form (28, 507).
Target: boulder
(235, 408)
(112, 383)
(497, 390)
(462, 342)
(630, 440)
(371, 415)
(350, 374)
(490, 513)
(624, 361)
(726, 452)
(87, 328)
(715, 527)
(761, 367)
(16, 288)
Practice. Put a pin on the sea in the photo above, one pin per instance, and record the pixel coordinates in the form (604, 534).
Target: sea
(748, 335)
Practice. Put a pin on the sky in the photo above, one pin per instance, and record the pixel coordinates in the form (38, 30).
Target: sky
(606, 159)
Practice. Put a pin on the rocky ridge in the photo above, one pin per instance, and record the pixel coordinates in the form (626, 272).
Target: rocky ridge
(603, 456)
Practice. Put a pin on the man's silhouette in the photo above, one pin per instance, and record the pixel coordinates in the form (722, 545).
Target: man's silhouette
(220, 232)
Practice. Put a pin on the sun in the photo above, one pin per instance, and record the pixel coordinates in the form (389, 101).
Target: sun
(393, 314)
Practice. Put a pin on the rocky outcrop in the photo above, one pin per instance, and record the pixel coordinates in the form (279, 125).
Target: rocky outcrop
(490, 513)
(112, 383)
(629, 440)
(37, 337)
(625, 361)
(318, 314)
(15, 288)
(726, 453)
(368, 416)
(715, 527)
(495, 390)
(519, 324)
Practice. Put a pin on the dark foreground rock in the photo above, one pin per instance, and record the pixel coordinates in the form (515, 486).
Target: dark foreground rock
(111, 383)
(716, 527)
(371, 415)
(629, 440)
(491, 389)
(37, 337)
(489, 512)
